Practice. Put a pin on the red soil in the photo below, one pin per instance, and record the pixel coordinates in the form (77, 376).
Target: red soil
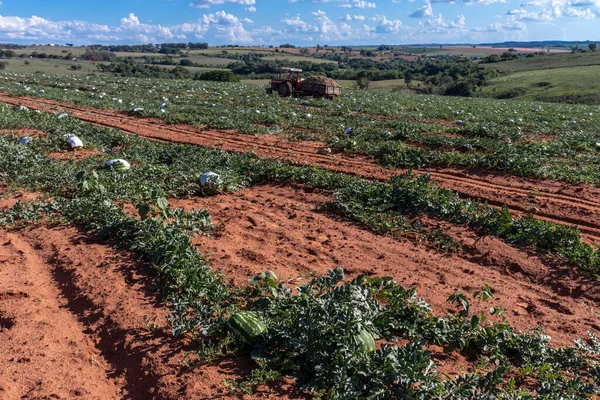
(25, 132)
(74, 155)
(553, 201)
(286, 230)
(75, 323)
(9, 200)
(77, 310)
(73, 307)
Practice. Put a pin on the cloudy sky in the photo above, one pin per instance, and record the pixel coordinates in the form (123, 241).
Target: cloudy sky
(301, 22)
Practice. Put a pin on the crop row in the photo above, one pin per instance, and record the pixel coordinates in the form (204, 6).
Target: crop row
(310, 335)
(530, 139)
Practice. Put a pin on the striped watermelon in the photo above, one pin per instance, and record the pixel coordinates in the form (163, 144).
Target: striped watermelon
(365, 341)
(247, 326)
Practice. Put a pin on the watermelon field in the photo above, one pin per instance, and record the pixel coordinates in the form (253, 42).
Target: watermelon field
(373, 246)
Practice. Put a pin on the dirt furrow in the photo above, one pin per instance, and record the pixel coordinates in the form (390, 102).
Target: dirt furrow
(552, 201)
(81, 320)
(45, 352)
(285, 229)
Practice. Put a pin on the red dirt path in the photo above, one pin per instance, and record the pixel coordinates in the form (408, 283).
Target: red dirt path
(553, 201)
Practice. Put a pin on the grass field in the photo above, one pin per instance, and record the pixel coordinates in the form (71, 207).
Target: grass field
(53, 50)
(548, 61)
(548, 84)
(48, 66)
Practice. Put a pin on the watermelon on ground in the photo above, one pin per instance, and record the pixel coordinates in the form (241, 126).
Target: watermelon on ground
(365, 341)
(118, 164)
(247, 326)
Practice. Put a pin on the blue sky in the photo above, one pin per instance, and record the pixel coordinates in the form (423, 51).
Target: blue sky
(301, 22)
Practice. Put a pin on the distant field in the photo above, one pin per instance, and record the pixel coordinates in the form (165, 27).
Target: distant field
(49, 66)
(467, 51)
(192, 57)
(209, 60)
(548, 84)
(549, 61)
(230, 51)
(53, 50)
(294, 58)
(270, 55)
(191, 69)
(391, 85)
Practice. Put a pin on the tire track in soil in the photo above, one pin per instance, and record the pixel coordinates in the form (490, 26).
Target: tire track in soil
(45, 352)
(95, 305)
(552, 201)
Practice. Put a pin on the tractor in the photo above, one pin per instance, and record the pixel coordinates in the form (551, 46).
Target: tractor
(292, 84)
(283, 85)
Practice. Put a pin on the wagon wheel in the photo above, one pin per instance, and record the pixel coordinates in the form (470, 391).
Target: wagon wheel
(285, 89)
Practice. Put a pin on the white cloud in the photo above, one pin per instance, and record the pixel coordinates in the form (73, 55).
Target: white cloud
(424, 12)
(386, 25)
(581, 9)
(321, 25)
(580, 13)
(36, 28)
(356, 4)
(349, 17)
(209, 3)
(251, 9)
(296, 24)
(499, 27)
(130, 29)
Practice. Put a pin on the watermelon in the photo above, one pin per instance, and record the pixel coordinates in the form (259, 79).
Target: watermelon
(118, 164)
(247, 326)
(365, 342)
(210, 178)
(25, 140)
(74, 142)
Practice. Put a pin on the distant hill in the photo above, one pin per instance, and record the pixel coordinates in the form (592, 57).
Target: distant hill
(543, 43)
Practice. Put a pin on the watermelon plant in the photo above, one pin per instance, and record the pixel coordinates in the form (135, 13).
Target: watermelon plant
(336, 338)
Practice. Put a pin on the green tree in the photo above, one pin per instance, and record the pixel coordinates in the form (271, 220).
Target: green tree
(592, 46)
(218, 75)
(407, 79)
(362, 83)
